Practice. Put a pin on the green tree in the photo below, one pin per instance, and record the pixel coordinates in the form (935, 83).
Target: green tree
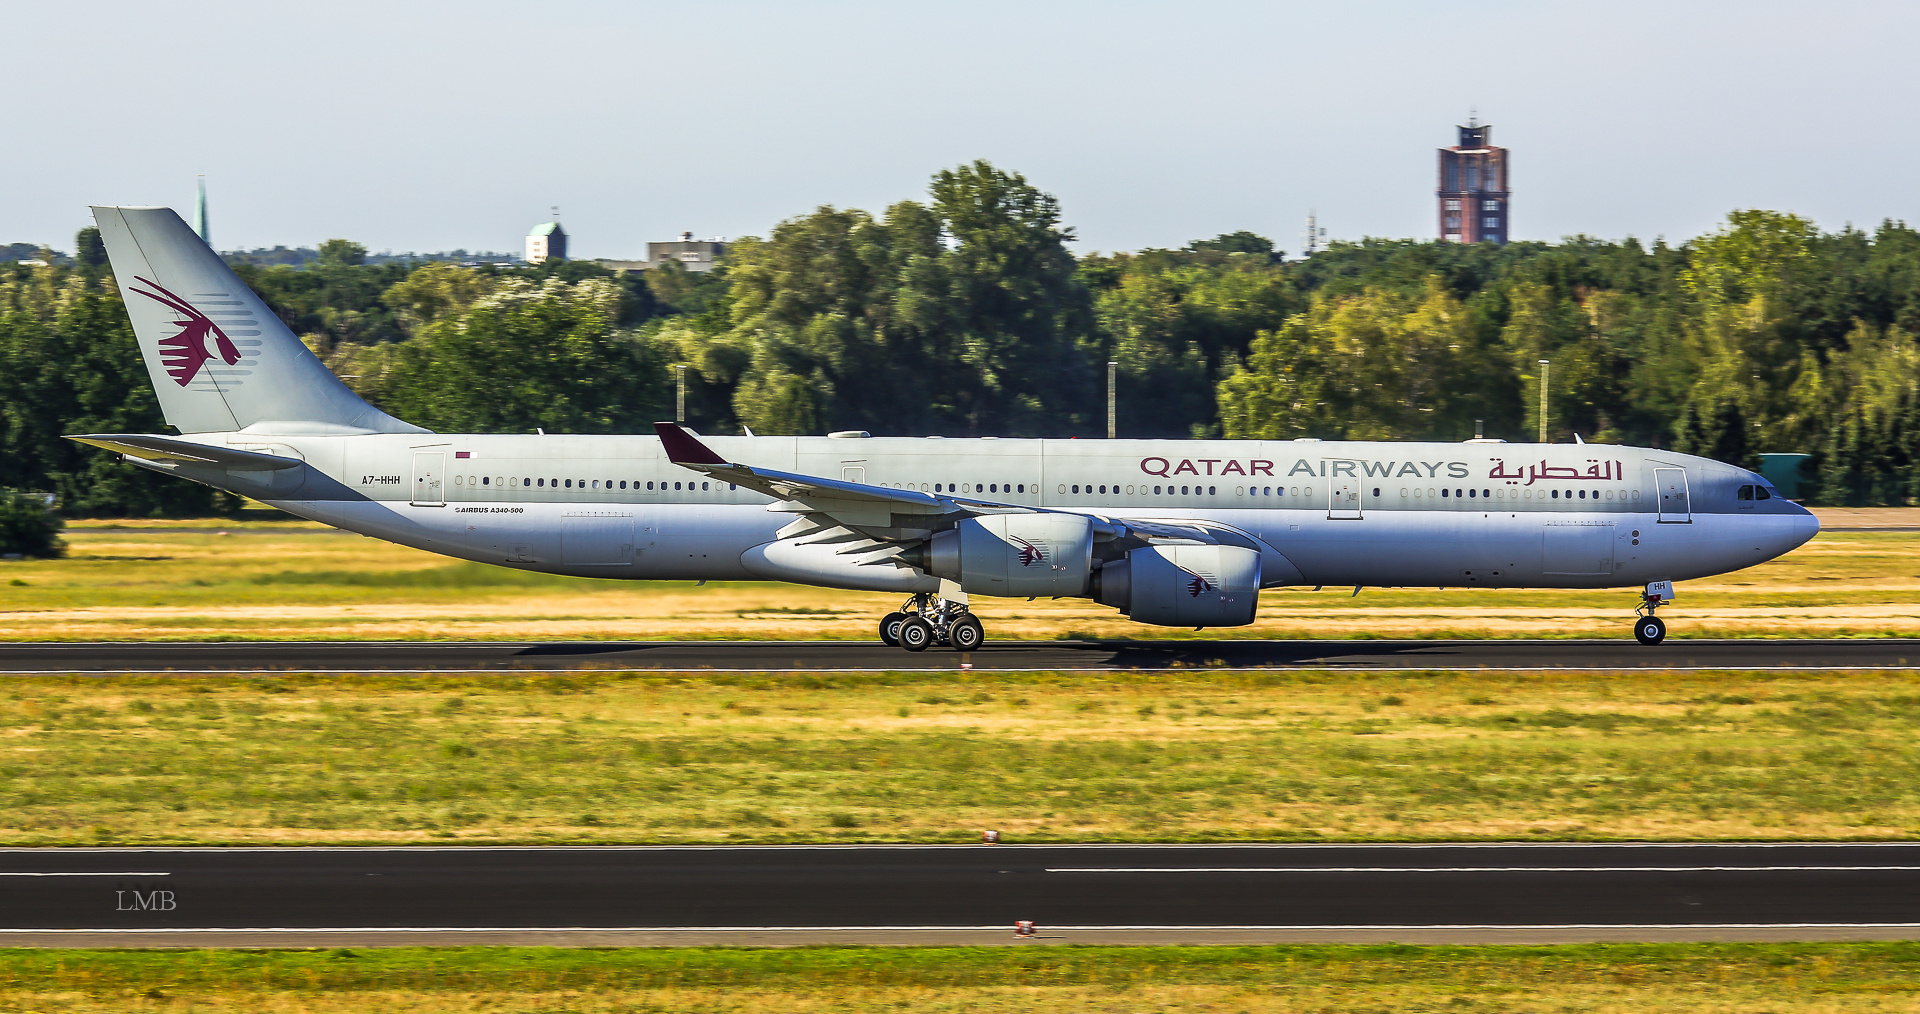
(89, 251)
(28, 528)
(1375, 366)
(69, 364)
(342, 253)
(960, 315)
(1243, 242)
(530, 356)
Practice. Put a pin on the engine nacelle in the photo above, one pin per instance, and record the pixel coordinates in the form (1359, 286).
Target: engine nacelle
(1183, 586)
(1012, 554)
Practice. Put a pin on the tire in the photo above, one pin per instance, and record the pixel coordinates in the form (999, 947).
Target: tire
(890, 629)
(915, 634)
(966, 634)
(1649, 630)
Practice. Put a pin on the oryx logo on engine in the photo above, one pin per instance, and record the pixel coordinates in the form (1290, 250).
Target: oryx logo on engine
(1030, 554)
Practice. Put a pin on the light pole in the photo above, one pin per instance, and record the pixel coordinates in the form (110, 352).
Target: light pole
(1111, 424)
(1545, 366)
(680, 393)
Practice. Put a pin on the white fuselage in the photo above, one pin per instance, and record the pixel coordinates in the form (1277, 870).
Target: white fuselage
(1327, 513)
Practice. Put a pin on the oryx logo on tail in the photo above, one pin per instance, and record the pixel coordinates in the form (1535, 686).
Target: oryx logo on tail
(185, 353)
(1030, 554)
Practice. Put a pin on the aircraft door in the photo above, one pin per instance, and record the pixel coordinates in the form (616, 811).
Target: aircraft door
(1343, 491)
(1675, 506)
(429, 478)
(853, 473)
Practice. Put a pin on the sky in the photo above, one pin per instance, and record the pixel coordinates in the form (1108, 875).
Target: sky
(426, 125)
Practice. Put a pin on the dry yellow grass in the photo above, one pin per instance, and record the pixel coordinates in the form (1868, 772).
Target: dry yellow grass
(937, 756)
(1683, 998)
(1605, 979)
(293, 580)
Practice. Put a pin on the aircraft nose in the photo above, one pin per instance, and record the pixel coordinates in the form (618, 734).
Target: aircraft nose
(1803, 526)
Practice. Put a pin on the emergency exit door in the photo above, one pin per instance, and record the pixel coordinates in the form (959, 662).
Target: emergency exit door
(1670, 484)
(1343, 490)
(429, 478)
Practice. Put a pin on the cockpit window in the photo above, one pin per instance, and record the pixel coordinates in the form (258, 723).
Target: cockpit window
(1746, 492)
(1762, 493)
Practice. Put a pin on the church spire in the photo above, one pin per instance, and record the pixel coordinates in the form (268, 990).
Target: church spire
(200, 214)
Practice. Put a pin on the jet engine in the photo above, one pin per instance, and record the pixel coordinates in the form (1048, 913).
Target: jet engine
(1012, 554)
(1183, 586)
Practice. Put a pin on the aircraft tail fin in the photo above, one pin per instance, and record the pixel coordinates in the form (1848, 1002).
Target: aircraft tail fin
(219, 358)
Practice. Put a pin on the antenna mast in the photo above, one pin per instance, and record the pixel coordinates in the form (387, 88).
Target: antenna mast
(1310, 243)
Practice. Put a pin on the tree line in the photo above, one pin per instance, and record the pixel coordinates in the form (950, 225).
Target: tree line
(968, 313)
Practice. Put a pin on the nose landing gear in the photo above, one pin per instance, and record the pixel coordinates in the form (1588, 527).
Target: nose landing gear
(923, 621)
(1650, 629)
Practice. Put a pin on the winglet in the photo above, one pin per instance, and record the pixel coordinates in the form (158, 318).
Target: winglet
(684, 448)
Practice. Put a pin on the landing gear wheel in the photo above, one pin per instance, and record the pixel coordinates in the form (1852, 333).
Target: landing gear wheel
(890, 628)
(1649, 630)
(966, 634)
(915, 634)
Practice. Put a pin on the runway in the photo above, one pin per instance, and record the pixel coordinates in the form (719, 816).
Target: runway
(953, 894)
(827, 656)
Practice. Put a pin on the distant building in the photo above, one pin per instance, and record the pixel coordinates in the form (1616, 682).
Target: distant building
(1474, 188)
(696, 256)
(547, 240)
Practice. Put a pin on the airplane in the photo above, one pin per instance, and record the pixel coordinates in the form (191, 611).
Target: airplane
(1170, 532)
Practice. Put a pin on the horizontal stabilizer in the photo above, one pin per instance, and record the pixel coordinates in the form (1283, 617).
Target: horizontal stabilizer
(170, 451)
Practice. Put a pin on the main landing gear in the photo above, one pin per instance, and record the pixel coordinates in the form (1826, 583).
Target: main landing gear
(923, 621)
(1648, 628)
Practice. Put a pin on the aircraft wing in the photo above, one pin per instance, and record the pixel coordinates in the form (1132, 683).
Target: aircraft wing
(851, 503)
(850, 506)
(170, 451)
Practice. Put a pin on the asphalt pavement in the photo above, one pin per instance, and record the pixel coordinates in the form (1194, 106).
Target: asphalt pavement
(760, 656)
(905, 894)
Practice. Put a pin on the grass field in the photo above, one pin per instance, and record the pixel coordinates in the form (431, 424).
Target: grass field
(939, 756)
(1594, 979)
(294, 580)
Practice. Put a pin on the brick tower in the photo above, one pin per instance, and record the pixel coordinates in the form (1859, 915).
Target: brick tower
(1473, 188)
